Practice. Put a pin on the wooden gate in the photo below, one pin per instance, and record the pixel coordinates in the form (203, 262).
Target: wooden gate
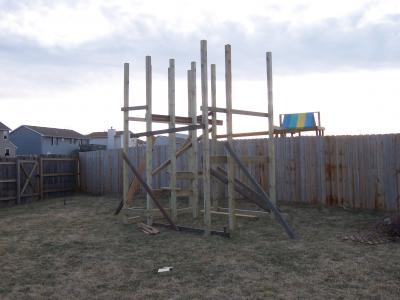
(27, 179)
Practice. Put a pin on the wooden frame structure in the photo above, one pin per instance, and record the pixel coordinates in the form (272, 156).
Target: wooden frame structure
(208, 156)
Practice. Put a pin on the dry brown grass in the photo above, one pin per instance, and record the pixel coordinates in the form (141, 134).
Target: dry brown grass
(82, 251)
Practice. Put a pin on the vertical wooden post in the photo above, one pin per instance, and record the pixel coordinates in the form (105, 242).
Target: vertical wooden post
(18, 185)
(41, 178)
(271, 144)
(230, 162)
(126, 132)
(213, 101)
(149, 139)
(77, 175)
(172, 138)
(217, 192)
(206, 142)
(193, 161)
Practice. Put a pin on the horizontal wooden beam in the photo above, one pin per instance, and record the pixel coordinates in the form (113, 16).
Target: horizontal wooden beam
(238, 112)
(27, 161)
(156, 212)
(169, 130)
(166, 192)
(243, 134)
(195, 230)
(57, 159)
(8, 162)
(258, 213)
(58, 174)
(236, 214)
(155, 118)
(29, 195)
(222, 159)
(8, 180)
(281, 130)
(139, 107)
(8, 198)
(138, 119)
(58, 190)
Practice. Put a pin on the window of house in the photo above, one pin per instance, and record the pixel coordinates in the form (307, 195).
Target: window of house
(5, 136)
(7, 152)
(52, 141)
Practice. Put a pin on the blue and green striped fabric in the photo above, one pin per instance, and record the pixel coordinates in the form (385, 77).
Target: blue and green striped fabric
(300, 120)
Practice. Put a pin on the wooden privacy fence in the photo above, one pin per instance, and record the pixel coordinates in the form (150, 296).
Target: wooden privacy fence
(350, 171)
(33, 177)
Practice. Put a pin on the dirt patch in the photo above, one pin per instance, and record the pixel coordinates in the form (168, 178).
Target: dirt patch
(82, 251)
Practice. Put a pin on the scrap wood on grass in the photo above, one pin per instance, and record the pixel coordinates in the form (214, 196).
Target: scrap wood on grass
(385, 230)
(147, 229)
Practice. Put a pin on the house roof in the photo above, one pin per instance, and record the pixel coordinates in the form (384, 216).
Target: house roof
(55, 132)
(4, 127)
(102, 134)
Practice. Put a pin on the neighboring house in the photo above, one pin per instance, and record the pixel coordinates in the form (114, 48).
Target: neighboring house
(164, 139)
(45, 140)
(7, 148)
(112, 139)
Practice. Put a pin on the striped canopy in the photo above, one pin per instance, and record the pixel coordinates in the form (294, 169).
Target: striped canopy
(299, 121)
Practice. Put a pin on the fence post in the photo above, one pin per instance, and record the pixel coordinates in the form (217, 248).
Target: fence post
(18, 181)
(41, 177)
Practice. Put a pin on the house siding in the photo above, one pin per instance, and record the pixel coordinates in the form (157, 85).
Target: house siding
(99, 141)
(5, 143)
(60, 145)
(118, 142)
(31, 142)
(27, 141)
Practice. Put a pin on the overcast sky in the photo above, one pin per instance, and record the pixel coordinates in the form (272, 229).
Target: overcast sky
(62, 61)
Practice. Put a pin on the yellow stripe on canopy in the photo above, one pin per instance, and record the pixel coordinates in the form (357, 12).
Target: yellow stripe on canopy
(301, 120)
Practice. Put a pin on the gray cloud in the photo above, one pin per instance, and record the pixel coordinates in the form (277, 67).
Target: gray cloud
(330, 45)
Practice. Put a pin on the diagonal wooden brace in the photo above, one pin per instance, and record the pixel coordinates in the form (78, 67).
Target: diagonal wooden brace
(149, 191)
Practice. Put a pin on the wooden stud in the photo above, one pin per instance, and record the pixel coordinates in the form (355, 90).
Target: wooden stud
(218, 189)
(193, 164)
(156, 118)
(139, 107)
(238, 111)
(172, 138)
(258, 213)
(206, 142)
(172, 130)
(41, 178)
(149, 140)
(18, 181)
(230, 165)
(126, 131)
(271, 144)
(213, 101)
(237, 214)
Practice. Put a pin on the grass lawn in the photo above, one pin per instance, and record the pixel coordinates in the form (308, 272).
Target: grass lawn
(82, 251)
